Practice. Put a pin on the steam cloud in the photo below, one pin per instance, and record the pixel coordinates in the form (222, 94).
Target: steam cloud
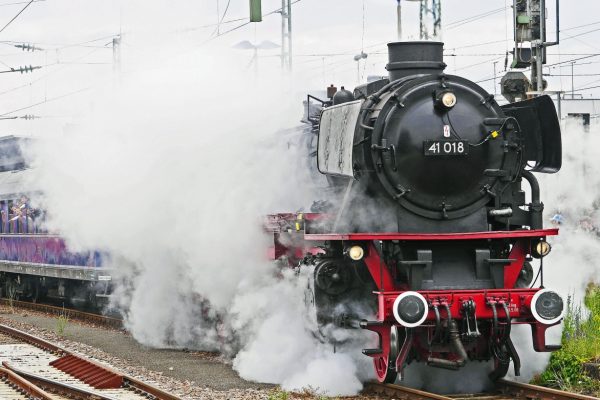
(171, 173)
(573, 194)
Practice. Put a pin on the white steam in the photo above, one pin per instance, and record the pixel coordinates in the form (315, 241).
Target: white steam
(574, 193)
(171, 173)
(281, 351)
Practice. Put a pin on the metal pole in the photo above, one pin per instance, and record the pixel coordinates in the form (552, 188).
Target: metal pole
(559, 106)
(540, 56)
(289, 21)
(399, 11)
(557, 21)
(548, 44)
(437, 19)
(543, 21)
(422, 17)
(116, 47)
(539, 64)
(514, 7)
(218, 18)
(495, 90)
(572, 80)
(282, 34)
(255, 61)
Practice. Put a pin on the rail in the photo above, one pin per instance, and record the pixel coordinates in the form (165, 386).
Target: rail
(24, 385)
(402, 392)
(526, 391)
(128, 381)
(103, 320)
(59, 387)
(503, 389)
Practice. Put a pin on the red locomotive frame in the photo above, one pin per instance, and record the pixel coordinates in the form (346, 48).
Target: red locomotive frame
(503, 306)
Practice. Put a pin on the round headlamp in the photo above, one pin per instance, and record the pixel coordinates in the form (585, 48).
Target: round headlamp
(448, 99)
(410, 309)
(541, 249)
(356, 253)
(547, 307)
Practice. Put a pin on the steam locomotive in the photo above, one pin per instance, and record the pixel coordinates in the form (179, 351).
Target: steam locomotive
(432, 241)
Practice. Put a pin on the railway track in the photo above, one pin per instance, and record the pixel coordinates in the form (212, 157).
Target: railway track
(504, 390)
(98, 319)
(14, 387)
(26, 385)
(35, 368)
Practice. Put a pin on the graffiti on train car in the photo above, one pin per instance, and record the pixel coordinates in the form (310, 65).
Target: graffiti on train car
(44, 249)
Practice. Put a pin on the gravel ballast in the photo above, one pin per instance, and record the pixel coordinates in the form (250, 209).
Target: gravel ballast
(190, 375)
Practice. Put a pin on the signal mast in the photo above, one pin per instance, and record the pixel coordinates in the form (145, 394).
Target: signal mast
(530, 45)
(430, 19)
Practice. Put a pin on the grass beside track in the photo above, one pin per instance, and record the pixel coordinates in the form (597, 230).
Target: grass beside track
(581, 344)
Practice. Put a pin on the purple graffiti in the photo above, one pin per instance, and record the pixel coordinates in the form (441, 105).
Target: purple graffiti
(44, 250)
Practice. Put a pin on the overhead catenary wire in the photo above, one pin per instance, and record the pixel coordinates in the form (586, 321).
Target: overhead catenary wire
(571, 74)
(587, 88)
(468, 20)
(16, 16)
(46, 101)
(61, 46)
(506, 36)
(573, 59)
(474, 16)
(563, 38)
(579, 26)
(582, 56)
(220, 21)
(229, 21)
(479, 44)
(551, 66)
(479, 63)
(573, 56)
(55, 70)
(224, 20)
(362, 43)
(80, 44)
(23, 69)
(12, 3)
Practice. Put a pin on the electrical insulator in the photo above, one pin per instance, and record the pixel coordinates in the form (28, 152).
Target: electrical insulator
(25, 69)
(27, 47)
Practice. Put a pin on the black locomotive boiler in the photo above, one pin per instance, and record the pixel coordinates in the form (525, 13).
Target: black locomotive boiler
(432, 239)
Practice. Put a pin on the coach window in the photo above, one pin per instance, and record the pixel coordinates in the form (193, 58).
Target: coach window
(5, 216)
(10, 223)
(9, 215)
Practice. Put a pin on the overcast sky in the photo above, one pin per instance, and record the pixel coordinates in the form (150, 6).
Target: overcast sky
(326, 36)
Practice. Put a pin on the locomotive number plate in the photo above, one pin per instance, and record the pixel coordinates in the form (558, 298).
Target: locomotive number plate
(445, 147)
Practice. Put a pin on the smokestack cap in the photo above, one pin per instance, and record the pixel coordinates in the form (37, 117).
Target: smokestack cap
(414, 58)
